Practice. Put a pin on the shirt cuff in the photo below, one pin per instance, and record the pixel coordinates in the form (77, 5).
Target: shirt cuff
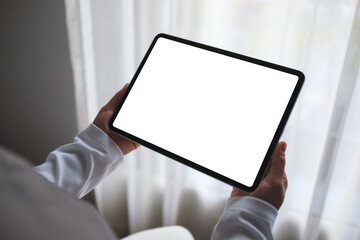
(98, 137)
(255, 206)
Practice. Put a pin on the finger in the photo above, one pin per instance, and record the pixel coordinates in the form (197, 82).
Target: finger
(267, 170)
(277, 165)
(114, 101)
(285, 181)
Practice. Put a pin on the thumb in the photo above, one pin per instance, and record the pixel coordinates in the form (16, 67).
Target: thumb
(277, 164)
(114, 101)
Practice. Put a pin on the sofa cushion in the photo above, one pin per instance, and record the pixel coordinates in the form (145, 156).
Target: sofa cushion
(33, 208)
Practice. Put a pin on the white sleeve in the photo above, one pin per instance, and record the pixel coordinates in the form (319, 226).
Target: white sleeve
(245, 218)
(79, 166)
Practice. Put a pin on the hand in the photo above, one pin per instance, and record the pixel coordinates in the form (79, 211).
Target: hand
(103, 118)
(273, 186)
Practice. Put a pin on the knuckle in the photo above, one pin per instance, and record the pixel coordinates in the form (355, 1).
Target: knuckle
(285, 182)
(282, 161)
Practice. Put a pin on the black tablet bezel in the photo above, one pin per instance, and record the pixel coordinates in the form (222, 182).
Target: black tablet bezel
(189, 163)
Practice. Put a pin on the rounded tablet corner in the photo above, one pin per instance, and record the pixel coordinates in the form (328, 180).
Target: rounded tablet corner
(248, 189)
(245, 188)
(253, 187)
(256, 182)
(159, 35)
(302, 76)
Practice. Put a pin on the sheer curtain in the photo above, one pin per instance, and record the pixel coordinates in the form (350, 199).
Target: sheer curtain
(108, 39)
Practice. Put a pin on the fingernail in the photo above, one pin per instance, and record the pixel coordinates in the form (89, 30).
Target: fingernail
(283, 147)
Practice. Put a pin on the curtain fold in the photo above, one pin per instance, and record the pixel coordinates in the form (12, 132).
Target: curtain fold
(109, 38)
(342, 103)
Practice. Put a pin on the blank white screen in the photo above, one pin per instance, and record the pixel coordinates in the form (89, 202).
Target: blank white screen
(217, 111)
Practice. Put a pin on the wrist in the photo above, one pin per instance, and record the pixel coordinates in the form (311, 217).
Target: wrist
(255, 206)
(101, 138)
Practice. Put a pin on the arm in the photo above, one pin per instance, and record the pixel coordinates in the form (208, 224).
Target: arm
(245, 218)
(252, 215)
(79, 166)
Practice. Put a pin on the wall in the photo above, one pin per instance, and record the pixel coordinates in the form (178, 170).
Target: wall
(37, 104)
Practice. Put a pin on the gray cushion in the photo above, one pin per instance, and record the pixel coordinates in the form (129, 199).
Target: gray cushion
(33, 208)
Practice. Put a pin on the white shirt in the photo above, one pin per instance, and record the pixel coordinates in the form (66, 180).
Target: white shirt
(79, 166)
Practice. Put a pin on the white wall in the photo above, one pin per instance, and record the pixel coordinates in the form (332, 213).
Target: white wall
(37, 104)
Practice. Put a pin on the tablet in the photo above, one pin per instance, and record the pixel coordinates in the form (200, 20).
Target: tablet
(216, 111)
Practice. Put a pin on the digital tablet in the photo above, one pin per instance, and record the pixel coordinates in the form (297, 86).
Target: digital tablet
(216, 111)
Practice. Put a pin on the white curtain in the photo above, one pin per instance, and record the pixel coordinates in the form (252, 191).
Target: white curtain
(108, 39)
